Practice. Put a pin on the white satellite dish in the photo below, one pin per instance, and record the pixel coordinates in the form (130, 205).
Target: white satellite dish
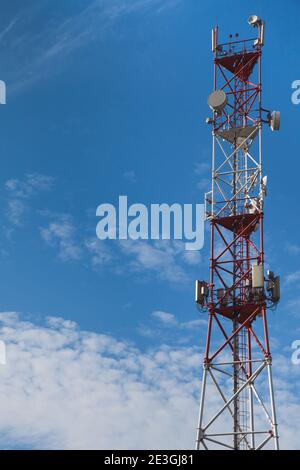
(275, 120)
(254, 20)
(217, 100)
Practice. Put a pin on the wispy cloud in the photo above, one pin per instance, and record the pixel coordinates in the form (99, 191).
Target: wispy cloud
(36, 53)
(165, 317)
(166, 327)
(8, 28)
(60, 233)
(100, 253)
(20, 191)
(165, 259)
(292, 278)
(193, 258)
(170, 320)
(29, 186)
(15, 211)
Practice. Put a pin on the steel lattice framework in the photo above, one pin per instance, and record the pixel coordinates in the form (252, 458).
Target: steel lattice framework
(237, 362)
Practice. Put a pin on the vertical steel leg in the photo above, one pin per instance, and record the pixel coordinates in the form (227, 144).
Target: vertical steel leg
(251, 417)
(201, 408)
(251, 409)
(276, 438)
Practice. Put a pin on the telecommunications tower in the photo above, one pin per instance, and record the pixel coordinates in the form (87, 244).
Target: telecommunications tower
(237, 408)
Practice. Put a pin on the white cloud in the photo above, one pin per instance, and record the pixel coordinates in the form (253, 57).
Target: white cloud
(19, 192)
(292, 278)
(15, 211)
(191, 324)
(30, 185)
(165, 317)
(164, 258)
(101, 255)
(170, 320)
(60, 233)
(67, 388)
(63, 387)
(192, 257)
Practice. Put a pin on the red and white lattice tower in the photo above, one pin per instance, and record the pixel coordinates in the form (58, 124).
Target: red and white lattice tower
(237, 409)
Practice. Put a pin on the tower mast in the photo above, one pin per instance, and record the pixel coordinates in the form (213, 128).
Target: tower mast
(235, 410)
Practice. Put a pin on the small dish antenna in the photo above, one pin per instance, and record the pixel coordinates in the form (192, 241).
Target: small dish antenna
(254, 21)
(217, 100)
(275, 120)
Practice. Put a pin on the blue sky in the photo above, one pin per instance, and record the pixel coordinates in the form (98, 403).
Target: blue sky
(107, 98)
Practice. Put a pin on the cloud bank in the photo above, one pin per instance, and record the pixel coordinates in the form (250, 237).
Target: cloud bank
(65, 388)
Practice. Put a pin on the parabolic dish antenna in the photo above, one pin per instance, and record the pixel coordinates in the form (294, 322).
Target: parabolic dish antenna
(275, 120)
(254, 20)
(217, 100)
